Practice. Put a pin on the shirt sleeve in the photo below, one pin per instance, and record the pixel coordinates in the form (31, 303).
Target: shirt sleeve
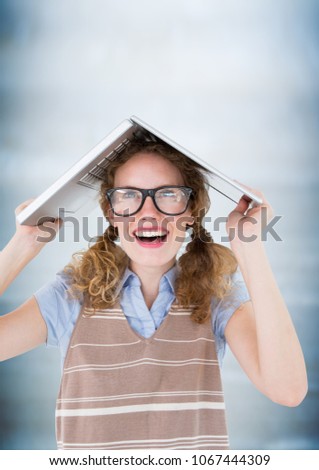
(222, 310)
(58, 308)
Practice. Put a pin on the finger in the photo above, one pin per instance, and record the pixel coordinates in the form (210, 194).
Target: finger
(23, 205)
(252, 190)
(54, 223)
(242, 205)
(49, 229)
(58, 223)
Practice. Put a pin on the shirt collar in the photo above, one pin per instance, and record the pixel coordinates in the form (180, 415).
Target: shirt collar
(170, 278)
(129, 278)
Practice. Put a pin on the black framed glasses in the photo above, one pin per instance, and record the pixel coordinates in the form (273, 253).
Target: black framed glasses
(170, 200)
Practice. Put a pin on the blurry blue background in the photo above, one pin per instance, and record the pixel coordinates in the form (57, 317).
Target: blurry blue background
(235, 82)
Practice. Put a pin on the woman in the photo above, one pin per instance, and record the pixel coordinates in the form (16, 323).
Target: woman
(142, 333)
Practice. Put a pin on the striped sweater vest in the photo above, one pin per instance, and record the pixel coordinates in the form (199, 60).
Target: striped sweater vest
(122, 391)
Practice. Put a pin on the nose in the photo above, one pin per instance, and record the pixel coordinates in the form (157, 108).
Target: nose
(148, 209)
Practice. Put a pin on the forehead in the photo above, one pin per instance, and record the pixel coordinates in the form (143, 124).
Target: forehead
(148, 170)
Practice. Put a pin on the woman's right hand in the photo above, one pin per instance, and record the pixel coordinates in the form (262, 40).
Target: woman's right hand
(26, 243)
(34, 238)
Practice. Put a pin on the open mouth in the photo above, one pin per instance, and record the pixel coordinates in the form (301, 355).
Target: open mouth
(151, 237)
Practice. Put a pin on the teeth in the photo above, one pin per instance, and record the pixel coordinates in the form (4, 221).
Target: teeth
(150, 234)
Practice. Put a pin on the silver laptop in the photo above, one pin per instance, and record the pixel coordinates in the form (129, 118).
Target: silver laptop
(76, 192)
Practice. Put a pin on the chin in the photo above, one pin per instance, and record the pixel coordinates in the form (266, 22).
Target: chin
(151, 258)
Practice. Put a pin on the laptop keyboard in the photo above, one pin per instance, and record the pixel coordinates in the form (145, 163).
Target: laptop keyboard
(94, 177)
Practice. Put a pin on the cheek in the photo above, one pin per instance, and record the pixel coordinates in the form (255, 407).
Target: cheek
(183, 222)
(178, 230)
(123, 226)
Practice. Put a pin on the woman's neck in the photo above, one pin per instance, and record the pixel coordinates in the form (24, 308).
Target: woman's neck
(150, 277)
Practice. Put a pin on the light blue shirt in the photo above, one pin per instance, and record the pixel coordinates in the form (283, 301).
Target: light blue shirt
(60, 311)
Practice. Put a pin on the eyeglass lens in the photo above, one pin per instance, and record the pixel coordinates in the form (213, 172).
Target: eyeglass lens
(169, 200)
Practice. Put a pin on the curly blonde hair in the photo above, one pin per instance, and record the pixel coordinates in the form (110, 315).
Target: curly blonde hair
(205, 267)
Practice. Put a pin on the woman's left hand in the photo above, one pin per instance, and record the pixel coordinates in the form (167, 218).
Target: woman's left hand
(246, 225)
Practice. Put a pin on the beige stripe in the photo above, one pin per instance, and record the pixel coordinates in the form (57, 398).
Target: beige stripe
(184, 340)
(157, 442)
(105, 317)
(205, 445)
(140, 362)
(178, 314)
(104, 345)
(200, 405)
(140, 395)
(105, 310)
